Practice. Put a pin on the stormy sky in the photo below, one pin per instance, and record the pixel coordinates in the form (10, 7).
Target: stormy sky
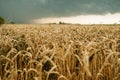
(24, 11)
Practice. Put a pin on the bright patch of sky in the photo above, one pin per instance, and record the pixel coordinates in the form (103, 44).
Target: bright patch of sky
(83, 19)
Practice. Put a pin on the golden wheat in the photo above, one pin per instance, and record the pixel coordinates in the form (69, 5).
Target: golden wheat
(59, 52)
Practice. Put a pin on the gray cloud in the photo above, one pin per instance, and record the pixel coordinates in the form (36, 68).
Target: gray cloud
(25, 10)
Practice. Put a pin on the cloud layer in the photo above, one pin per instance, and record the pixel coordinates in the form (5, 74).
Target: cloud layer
(83, 19)
(25, 10)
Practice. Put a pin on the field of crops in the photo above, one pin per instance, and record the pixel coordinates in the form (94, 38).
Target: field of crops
(59, 52)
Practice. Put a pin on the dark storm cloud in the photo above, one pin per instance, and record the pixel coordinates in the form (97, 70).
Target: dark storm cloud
(25, 10)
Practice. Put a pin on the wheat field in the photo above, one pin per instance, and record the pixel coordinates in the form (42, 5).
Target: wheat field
(59, 52)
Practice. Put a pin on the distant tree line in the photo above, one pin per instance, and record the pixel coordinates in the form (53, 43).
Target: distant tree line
(3, 21)
(60, 22)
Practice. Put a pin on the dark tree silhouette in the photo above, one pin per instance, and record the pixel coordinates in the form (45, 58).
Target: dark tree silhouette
(61, 22)
(2, 21)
